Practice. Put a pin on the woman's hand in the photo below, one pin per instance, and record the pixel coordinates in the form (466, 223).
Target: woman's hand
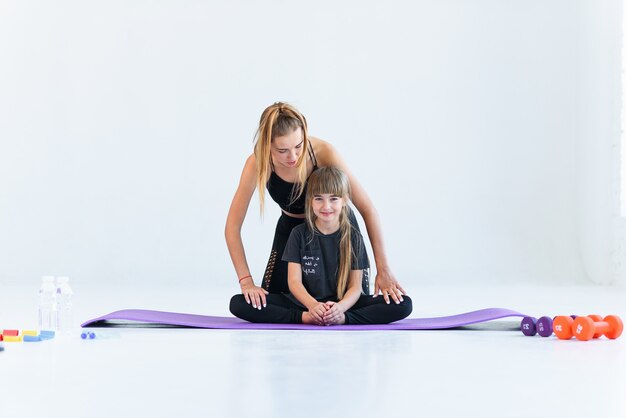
(335, 314)
(317, 312)
(253, 294)
(387, 285)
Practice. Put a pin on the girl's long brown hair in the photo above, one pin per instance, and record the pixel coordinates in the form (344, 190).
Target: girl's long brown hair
(277, 120)
(333, 181)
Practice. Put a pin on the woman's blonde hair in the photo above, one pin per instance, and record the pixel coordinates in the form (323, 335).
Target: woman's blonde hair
(277, 120)
(333, 181)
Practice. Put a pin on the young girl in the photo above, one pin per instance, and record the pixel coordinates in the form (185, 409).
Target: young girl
(326, 258)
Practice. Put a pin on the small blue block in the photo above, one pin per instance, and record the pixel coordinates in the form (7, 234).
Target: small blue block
(46, 335)
(31, 338)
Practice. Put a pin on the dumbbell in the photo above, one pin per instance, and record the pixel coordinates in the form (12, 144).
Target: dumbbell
(592, 326)
(563, 326)
(542, 326)
(531, 326)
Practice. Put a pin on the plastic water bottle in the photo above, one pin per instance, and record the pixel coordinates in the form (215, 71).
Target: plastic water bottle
(47, 304)
(64, 305)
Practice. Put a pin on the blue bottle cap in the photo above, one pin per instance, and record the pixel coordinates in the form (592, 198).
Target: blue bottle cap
(92, 335)
(83, 335)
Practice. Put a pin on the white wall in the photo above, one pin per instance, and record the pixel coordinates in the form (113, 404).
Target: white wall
(124, 127)
(601, 229)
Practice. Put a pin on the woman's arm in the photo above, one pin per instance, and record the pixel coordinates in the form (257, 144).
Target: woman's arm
(294, 279)
(236, 215)
(385, 282)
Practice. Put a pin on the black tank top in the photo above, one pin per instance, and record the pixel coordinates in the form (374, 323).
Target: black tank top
(281, 190)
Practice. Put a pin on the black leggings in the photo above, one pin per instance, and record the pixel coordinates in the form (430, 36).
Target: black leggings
(281, 310)
(275, 277)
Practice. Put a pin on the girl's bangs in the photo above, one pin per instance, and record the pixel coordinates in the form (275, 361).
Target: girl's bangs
(327, 182)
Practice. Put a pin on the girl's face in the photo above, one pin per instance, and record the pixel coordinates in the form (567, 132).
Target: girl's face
(287, 149)
(327, 208)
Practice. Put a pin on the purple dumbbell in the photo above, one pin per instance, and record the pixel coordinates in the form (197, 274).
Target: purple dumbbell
(533, 326)
(529, 326)
(544, 326)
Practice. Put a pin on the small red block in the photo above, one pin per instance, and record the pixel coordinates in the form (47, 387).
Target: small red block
(11, 332)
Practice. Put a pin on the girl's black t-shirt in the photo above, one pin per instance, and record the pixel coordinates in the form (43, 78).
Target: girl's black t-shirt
(318, 255)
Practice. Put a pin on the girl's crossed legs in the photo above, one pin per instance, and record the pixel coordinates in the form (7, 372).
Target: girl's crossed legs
(281, 310)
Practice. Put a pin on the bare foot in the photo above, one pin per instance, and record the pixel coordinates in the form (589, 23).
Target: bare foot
(339, 320)
(307, 318)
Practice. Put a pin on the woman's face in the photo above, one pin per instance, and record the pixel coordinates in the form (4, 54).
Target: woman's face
(286, 149)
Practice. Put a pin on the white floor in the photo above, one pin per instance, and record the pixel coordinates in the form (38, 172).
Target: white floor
(488, 371)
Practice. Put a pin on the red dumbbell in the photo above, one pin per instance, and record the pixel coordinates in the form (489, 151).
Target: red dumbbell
(586, 328)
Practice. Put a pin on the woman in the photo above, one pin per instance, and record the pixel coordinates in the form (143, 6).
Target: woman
(284, 157)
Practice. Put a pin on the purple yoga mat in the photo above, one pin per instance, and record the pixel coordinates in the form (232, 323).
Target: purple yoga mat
(220, 322)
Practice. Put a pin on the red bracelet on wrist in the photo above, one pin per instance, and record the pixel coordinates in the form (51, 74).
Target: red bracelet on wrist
(245, 277)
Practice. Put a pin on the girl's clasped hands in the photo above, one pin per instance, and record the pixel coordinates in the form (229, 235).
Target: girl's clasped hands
(327, 313)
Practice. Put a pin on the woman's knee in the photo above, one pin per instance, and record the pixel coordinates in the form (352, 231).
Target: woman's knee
(405, 307)
(237, 304)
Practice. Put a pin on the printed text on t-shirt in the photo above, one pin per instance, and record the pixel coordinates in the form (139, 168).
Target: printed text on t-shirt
(310, 264)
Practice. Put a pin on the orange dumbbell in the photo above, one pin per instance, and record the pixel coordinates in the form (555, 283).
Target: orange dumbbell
(562, 326)
(587, 327)
(596, 318)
